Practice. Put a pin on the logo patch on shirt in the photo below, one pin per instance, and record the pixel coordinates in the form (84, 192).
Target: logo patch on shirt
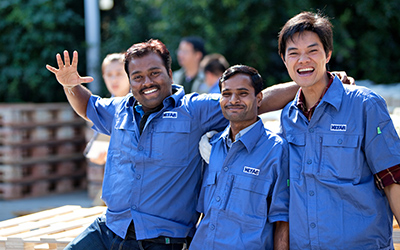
(249, 170)
(170, 114)
(338, 127)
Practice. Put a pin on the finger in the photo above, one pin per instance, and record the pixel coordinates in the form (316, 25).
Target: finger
(60, 62)
(86, 79)
(51, 69)
(66, 58)
(75, 59)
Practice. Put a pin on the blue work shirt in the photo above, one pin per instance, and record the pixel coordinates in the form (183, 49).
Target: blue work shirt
(154, 178)
(334, 203)
(244, 191)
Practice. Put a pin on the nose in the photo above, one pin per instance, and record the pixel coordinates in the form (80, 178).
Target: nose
(147, 80)
(304, 58)
(234, 99)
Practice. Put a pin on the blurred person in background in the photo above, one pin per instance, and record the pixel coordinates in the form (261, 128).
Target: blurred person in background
(213, 66)
(190, 52)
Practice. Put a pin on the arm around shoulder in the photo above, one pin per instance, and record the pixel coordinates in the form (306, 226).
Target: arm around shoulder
(277, 96)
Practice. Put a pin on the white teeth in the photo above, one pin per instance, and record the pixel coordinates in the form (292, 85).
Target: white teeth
(149, 91)
(306, 69)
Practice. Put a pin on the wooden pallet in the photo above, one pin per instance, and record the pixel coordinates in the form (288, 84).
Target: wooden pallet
(49, 229)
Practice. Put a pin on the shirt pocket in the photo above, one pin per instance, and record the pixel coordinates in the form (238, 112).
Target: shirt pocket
(170, 143)
(340, 157)
(248, 201)
(297, 144)
(207, 191)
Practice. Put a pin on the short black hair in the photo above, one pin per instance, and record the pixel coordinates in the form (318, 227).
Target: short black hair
(256, 79)
(197, 42)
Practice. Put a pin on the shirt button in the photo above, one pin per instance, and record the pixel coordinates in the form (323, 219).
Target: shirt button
(309, 161)
(134, 207)
(218, 198)
(312, 225)
(311, 193)
(226, 169)
(340, 141)
(212, 227)
(311, 130)
(140, 148)
(138, 176)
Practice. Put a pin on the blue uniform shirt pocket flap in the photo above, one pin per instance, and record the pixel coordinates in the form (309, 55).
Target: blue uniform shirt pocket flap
(251, 184)
(210, 179)
(177, 126)
(349, 141)
(299, 140)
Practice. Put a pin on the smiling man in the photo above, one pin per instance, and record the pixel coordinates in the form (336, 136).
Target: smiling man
(341, 139)
(153, 172)
(244, 196)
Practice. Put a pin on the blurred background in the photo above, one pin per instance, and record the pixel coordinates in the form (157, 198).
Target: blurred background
(366, 37)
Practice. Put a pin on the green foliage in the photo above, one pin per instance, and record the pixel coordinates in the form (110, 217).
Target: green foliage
(32, 32)
(366, 32)
(366, 36)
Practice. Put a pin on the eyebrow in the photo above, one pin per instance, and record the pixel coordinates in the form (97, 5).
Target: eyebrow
(309, 46)
(240, 89)
(138, 71)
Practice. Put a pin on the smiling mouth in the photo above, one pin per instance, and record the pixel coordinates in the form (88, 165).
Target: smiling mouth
(149, 91)
(305, 71)
(236, 107)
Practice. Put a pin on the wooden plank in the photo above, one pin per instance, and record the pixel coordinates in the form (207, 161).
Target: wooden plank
(77, 214)
(38, 216)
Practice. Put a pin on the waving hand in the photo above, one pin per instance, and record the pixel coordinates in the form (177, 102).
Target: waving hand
(67, 74)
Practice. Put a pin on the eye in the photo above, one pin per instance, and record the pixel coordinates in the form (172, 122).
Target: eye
(226, 94)
(136, 78)
(243, 93)
(155, 73)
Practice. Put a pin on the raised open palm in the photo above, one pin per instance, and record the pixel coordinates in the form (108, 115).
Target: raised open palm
(67, 73)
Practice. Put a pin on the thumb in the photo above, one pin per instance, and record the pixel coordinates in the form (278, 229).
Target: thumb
(86, 79)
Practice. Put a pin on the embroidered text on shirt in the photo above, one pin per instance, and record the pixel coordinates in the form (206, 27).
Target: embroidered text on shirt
(170, 114)
(338, 127)
(249, 170)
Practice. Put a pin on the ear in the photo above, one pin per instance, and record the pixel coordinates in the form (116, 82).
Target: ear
(328, 57)
(283, 59)
(259, 97)
(170, 73)
(199, 55)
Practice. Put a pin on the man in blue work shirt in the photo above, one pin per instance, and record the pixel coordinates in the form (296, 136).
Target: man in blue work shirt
(244, 191)
(153, 169)
(340, 137)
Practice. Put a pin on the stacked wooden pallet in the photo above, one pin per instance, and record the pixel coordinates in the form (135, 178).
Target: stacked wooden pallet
(40, 150)
(49, 229)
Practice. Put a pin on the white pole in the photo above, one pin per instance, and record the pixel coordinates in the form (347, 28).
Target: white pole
(92, 33)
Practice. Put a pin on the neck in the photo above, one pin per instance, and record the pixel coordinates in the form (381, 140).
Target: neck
(313, 93)
(236, 127)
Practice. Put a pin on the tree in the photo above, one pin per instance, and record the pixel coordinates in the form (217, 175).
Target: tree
(32, 32)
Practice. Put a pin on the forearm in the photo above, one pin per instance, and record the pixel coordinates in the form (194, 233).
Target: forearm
(78, 97)
(276, 97)
(281, 236)
(393, 193)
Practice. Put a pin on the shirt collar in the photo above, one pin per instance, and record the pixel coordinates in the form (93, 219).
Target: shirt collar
(246, 135)
(332, 94)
